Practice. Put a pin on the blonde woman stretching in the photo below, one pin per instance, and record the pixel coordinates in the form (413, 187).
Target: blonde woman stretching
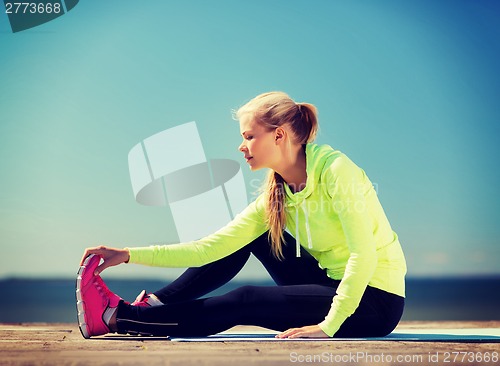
(318, 228)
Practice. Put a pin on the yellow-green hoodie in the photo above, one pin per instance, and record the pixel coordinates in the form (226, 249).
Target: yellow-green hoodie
(337, 218)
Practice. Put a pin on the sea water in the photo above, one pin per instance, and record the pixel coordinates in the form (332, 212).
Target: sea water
(53, 300)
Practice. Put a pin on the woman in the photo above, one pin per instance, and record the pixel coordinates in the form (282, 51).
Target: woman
(338, 266)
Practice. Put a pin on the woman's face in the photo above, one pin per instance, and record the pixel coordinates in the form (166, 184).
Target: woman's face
(259, 145)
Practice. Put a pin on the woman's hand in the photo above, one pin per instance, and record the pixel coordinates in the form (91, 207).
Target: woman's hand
(111, 257)
(310, 331)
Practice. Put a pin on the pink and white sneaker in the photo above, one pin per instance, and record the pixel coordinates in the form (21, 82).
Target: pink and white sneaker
(93, 298)
(145, 300)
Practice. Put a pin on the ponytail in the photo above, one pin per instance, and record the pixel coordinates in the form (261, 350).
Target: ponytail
(275, 212)
(309, 117)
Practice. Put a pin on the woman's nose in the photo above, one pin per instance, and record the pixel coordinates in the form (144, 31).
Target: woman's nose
(242, 146)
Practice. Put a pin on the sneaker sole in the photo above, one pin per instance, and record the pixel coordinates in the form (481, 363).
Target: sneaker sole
(80, 305)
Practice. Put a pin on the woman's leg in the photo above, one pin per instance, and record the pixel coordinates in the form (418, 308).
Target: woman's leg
(274, 307)
(199, 281)
(378, 313)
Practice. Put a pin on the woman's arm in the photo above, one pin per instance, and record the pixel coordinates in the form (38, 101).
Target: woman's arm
(347, 185)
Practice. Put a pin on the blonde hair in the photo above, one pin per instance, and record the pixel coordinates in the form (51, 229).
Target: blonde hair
(272, 110)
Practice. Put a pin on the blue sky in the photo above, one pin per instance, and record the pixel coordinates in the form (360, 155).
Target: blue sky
(407, 89)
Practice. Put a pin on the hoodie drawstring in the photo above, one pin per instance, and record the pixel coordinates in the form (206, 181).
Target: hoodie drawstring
(297, 237)
(308, 230)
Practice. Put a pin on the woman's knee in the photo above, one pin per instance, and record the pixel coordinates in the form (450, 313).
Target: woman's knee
(245, 294)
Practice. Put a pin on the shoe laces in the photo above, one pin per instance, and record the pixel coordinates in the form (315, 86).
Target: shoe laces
(102, 288)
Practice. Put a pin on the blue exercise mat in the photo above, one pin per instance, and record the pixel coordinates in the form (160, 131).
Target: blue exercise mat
(490, 335)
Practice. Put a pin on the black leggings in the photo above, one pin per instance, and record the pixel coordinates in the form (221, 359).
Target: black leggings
(303, 296)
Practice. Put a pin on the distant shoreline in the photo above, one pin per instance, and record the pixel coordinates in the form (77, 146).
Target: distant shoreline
(52, 300)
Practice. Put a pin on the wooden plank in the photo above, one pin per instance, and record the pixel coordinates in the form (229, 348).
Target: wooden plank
(62, 344)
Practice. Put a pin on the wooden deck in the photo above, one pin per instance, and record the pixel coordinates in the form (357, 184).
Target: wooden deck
(61, 344)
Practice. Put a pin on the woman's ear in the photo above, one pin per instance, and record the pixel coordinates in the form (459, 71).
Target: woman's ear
(279, 135)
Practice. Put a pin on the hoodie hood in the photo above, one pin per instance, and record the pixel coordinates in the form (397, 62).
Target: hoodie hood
(316, 159)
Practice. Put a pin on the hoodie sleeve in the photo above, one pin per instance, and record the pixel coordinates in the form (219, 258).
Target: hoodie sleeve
(346, 185)
(244, 228)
